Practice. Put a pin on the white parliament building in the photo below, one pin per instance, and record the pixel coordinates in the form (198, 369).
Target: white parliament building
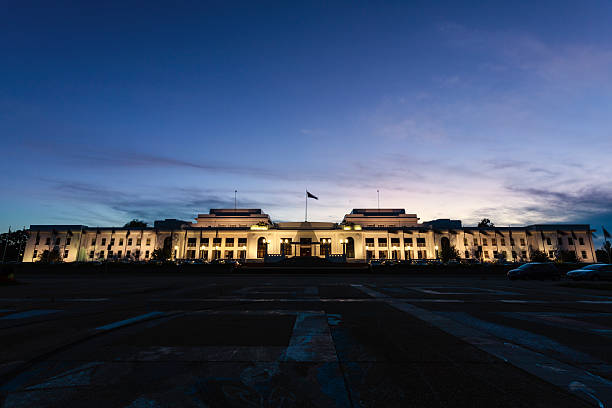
(251, 235)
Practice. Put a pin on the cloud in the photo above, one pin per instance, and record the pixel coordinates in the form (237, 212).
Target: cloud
(566, 65)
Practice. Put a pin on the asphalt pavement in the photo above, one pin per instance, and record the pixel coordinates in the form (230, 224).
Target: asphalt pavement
(306, 341)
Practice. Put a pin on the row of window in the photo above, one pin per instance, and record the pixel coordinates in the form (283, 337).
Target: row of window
(502, 241)
(130, 241)
(229, 242)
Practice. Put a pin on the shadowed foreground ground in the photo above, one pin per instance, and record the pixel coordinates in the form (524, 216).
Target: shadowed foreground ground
(308, 341)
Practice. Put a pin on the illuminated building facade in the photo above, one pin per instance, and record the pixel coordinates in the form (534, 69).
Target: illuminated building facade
(362, 235)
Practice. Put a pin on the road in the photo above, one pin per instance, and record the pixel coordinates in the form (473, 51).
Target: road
(308, 341)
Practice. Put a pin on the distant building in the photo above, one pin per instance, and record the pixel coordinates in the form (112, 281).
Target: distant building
(363, 234)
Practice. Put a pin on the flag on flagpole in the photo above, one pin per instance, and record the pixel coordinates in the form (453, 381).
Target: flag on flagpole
(309, 195)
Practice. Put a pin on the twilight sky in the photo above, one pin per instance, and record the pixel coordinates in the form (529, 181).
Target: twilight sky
(111, 111)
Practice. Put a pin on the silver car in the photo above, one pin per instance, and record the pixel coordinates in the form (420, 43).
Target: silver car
(592, 272)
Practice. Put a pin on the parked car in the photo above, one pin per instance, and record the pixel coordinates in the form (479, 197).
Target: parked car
(592, 272)
(535, 270)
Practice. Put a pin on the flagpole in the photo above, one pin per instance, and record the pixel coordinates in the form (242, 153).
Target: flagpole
(606, 234)
(306, 212)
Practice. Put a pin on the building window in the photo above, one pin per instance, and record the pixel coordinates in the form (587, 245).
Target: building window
(137, 254)
(147, 254)
(511, 241)
(494, 241)
(570, 241)
(369, 242)
(261, 247)
(495, 254)
(242, 254)
(191, 254)
(382, 254)
(475, 242)
(120, 241)
(484, 242)
(522, 241)
(395, 242)
(548, 242)
(408, 241)
(128, 253)
(229, 254)
(369, 255)
(112, 242)
(486, 254)
(286, 246)
(203, 254)
(204, 242)
(191, 242)
(148, 241)
(513, 254)
(68, 241)
(551, 254)
(242, 242)
(524, 254)
(503, 241)
(216, 242)
(216, 254)
(421, 254)
(35, 254)
(58, 241)
(581, 241)
(584, 255)
(101, 254)
(382, 242)
(110, 254)
(465, 242)
(421, 242)
(91, 254)
(229, 242)
(129, 241)
(103, 242)
(47, 241)
(119, 253)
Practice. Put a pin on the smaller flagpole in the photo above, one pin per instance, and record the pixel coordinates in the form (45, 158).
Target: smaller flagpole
(378, 198)
(235, 192)
(6, 244)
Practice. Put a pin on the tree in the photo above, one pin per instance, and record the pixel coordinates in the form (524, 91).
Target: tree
(161, 254)
(485, 223)
(538, 256)
(15, 243)
(448, 252)
(135, 223)
(50, 257)
(603, 254)
(564, 255)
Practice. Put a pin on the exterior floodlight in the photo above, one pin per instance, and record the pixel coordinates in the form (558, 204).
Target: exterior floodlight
(244, 247)
(436, 247)
(176, 247)
(409, 247)
(217, 248)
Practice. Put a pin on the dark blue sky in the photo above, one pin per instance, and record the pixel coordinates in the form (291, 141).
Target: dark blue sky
(452, 109)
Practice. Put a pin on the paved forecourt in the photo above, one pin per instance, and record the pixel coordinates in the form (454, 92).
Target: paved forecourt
(317, 340)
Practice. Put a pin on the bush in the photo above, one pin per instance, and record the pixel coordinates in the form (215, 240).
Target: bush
(538, 256)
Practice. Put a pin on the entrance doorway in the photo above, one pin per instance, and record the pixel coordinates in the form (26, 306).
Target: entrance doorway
(305, 246)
